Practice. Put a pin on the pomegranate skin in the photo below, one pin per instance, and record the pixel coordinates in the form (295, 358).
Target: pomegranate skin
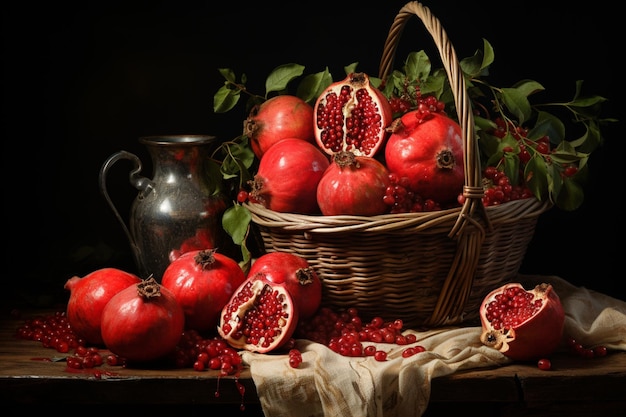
(429, 152)
(287, 178)
(88, 297)
(142, 326)
(353, 185)
(298, 276)
(280, 117)
(535, 337)
(202, 282)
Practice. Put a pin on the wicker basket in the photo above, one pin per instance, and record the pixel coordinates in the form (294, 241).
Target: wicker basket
(428, 269)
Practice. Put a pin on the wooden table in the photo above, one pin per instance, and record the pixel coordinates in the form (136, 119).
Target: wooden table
(574, 387)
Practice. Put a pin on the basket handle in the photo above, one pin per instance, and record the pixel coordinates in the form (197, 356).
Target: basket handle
(472, 190)
(458, 283)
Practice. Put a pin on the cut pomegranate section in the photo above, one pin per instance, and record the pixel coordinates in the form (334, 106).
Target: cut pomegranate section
(522, 324)
(259, 317)
(352, 115)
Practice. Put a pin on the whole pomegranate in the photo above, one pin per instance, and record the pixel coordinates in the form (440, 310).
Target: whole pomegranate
(261, 316)
(522, 324)
(143, 322)
(352, 115)
(202, 282)
(287, 177)
(353, 185)
(428, 150)
(296, 274)
(280, 117)
(89, 295)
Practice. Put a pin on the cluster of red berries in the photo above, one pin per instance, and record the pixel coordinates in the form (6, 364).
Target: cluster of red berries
(193, 351)
(423, 104)
(586, 352)
(346, 334)
(84, 358)
(527, 146)
(498, 188)
(401, 199)
(577, 349)
(53, 331)
(202, 354)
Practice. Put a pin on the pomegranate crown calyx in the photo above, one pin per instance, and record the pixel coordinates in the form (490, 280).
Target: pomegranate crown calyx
(358, 79)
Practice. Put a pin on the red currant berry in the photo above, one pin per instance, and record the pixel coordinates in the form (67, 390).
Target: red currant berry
(242, 196)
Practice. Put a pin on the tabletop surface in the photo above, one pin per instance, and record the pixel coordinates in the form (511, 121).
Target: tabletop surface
(31, 373)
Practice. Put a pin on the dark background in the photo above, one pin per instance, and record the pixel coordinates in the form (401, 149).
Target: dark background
(83, 82)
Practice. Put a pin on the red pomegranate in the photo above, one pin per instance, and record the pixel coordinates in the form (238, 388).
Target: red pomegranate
(428, 150)
(89, 295)
(352, 115)
(260, 316)
(522, 324)
(143, 322)
(296, 274)
(280, 117)
(287, 177)
(353, 185)
(202, 282)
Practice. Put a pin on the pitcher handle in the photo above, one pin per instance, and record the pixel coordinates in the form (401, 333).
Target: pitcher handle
(141, 183)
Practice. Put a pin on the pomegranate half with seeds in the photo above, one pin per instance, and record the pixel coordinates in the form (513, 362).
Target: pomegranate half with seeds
(261, 316)
(352, 115)
(522, 324)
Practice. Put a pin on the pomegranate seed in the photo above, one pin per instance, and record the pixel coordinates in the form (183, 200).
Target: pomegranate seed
(544, 364)
(600, 351)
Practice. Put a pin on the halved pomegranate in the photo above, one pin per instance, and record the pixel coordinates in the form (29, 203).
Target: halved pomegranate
(522, 324)
(352, 115)
(259, 317)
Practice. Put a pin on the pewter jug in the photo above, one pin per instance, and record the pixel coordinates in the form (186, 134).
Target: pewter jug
(179, 209)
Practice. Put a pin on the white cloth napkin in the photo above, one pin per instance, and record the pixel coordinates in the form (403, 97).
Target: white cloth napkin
(329, 384)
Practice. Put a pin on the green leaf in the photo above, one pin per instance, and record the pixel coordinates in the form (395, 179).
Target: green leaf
(478, 64)
(489, 145)
(564, 153)
(349, 69)
(225, 99)
(228, 74)
(528, 87)
(437, 84)
(586, 101)
(571, 196)
(536, 175)
(511, 166)
(237, 158)
(547, 125)
(484, 124)
(281, 76)
(592, 138)
(516, 101)
(417, 66)
(313, 85)
(235, 222)
(212, 169)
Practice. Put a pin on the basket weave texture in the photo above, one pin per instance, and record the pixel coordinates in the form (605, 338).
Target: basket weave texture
(428, 269)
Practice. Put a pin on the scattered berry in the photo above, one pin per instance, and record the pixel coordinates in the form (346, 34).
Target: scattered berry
(544, 364)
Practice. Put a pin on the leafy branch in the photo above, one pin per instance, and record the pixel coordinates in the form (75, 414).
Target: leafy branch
(548, 174)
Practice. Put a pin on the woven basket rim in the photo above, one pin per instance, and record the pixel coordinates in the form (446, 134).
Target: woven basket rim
(515, 209)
